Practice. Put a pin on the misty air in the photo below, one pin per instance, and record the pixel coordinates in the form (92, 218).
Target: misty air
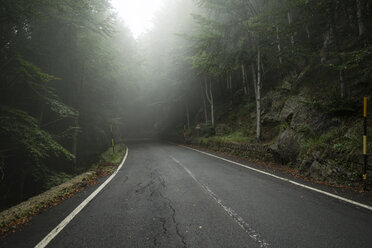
(185, 123)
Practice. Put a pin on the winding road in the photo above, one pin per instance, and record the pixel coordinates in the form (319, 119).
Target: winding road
(171, 196)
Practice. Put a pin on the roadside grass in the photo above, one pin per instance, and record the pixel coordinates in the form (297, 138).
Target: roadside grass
(108, 157)
(235, 137)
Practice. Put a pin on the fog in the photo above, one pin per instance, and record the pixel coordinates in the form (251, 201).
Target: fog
(70, 69)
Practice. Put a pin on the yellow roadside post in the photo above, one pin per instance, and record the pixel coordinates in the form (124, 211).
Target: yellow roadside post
(365, 156)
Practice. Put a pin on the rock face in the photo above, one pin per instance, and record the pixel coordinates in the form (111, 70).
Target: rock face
(305, 127)
(291, 106)
(310, 118)
(302, 120)
(298, 115)
(272, 104)
(288, 146)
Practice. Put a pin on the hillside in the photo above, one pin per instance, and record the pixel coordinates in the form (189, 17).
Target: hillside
(322, 141)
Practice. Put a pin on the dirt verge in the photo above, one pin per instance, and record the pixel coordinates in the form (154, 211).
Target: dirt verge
(15, 217)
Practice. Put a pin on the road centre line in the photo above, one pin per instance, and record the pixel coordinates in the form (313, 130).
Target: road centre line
(285, 179)
(239, 220)
(43, 243)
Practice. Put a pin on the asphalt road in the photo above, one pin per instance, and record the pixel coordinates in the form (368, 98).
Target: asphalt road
(169, 196)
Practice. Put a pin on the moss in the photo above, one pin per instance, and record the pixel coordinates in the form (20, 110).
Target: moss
(235, 137)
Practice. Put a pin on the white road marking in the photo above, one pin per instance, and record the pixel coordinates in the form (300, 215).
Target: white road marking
(43, 243)
(287, 180)
(239, 220)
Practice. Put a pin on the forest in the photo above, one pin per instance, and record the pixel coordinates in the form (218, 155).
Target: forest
(272, 80)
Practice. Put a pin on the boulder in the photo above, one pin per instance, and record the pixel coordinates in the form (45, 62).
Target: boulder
(288, 146)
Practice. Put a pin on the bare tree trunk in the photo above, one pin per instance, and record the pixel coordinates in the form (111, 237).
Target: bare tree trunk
(209, 95)
(342, 84)
(290, 23)
(227, 81)
(254, 79)
(279, 47)
(230, 80)
(308, 32)
(204, 105)
(188, 116)
(258, 95)
(231, 89)
(244, 80)
(361, 26)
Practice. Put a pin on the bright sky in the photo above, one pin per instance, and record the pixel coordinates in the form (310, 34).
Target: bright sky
(137, 14)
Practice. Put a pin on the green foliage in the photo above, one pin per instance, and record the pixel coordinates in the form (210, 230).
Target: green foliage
(334, 105)
(207, 130)
(56, 179)
(22, 132)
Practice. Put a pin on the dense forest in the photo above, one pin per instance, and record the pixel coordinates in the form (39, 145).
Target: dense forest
(283, 76)
(68, 70)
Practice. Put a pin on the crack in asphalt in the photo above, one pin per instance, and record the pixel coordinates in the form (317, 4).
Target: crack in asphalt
(153, 190)
(164, 232)
(174, 220)
(143, 188)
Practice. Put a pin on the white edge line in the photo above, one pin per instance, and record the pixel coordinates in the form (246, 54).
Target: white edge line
(286, 180)
(239, 220)
(43, 243)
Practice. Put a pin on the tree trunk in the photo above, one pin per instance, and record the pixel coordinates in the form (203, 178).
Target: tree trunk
(244, 80)
(228, 80)
(290, 23)
(279, 47)
(209, 94)
(212, 103)
(361, 26)
(204, 105)
(342, 84)
(188, 116)
(308, 32)
(228, 83)
(254, 79)
(258, 95)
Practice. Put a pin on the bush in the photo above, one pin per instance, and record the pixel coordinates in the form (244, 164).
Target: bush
(207, 130)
